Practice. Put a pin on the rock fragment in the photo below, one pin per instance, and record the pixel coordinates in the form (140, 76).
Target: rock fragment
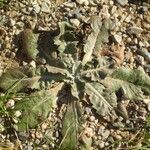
(83, 2)
(122, 2)
(134, 30)
(75, 22)
(45, 8)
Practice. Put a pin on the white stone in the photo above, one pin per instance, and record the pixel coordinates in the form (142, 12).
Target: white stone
(33, 64)
(12, 22)
(10, 103)
(146, 44)
(45, 8)
(134, 30)
(118, 38)
(122, 2)
(12, 54)
(92, 118)
(106, 134)
(17, 113)
(1, 128)
(15, 120)
(44, 126)
(102, 145)
(141, 44)
(147, 102)
(88, 110)
(39, 135)
(70, 5)
(24, 63)
(89, 132)
(75, 22)
(128, 19)
(83, 2)
(113, 9)
(37, 8)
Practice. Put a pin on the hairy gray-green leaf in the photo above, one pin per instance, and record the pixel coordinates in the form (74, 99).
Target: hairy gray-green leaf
(55, 70)
(136, 76)
(103, 104)
(29, 43)
(66, 40)
(96, 39)
(67, 61)
(132, 82)
(69, 129)
(89, 47)
(34, 108)
(96, 69)
(20, 79)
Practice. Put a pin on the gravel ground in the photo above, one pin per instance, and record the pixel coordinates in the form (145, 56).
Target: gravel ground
(132, 31)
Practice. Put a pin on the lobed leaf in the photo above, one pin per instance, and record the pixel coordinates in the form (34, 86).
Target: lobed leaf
(20, 79)
(35, 108)
(132, 82)
(70, 128)
(101, 102)
(66, 40)
(136, 76)
(96, 39)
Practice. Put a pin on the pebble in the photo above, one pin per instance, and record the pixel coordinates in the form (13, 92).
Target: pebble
(140, 59)
(75, 22)
(89, 132)
(118, 125)
(33, 64)
(15, 120)
(12, 22)
(88, 110)
(141, 44)
(118, 38)
(45, 7)
(24, 63)
(10, 103)
(70, 4)
(122, 2)
(37, 8)
(147, 102)
(39, 135)
(118, 137)
(101, 130)
(1, 128)
(134, 30)
(17, 113)
(128, 19)
(44, 126)
(105, 134)
(92, 118)
(101, 145)
(37, 141)
(83, 2)
(113, 9)
(12, 55)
